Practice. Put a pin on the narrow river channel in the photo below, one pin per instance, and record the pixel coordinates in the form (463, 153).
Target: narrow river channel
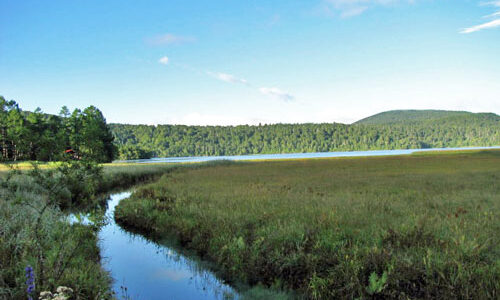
(152, 271)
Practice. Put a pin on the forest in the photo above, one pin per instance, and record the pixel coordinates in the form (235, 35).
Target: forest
(434, 130)
(44, 137)
(85, 134)
(411, 116)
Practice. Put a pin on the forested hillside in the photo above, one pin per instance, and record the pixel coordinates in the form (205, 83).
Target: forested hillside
(425, 130)
(39, 136)
(412, 116)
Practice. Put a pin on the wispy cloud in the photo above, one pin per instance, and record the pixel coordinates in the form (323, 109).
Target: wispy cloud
(488, 25)
(273, 92)
(353, 11)
(491, 3)
(492, 24)
(493, 15)
(169, 39)
(164, 60)
(351, 8)
(277, 93)
(227, 77)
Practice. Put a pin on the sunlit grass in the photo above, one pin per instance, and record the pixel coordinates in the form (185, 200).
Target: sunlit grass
(27, 165)
(324, 227)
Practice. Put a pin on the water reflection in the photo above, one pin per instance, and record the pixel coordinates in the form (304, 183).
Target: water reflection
(297, 155)
(152, 271)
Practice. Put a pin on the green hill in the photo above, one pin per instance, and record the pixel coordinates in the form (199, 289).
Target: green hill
(410, 116)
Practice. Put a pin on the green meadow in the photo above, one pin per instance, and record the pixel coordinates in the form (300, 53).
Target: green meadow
(416, 226)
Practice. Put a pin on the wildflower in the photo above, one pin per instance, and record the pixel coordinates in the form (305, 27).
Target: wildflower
(62, 290)
(62, 293)
(30, 281)
(45, 295)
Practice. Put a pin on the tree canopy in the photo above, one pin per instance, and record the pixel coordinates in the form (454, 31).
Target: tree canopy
(85, 133)
(44, 137)
(412, 116)
(455, 130)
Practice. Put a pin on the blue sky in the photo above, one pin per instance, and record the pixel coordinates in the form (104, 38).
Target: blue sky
(250, 62)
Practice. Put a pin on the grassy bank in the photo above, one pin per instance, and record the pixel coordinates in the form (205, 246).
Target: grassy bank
(26, 165)
(34, 231)
(417, 226)
(119, 176)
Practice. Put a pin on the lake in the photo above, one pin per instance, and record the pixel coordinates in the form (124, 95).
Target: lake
(191, 159)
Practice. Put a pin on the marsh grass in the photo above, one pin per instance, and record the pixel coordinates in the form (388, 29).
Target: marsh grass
(417, 226)
(34, 229)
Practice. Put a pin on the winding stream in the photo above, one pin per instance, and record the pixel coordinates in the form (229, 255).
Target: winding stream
(152, 271)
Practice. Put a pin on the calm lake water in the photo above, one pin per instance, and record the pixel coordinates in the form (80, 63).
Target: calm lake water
(297, 155)
(153, 271)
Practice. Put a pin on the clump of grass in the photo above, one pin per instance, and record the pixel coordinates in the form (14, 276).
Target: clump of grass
(34, 230)
(382, 227)
(119, 176)
(35, 236)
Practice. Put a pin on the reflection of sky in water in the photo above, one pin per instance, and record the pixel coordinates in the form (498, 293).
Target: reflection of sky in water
(150, 271)
(297, 155)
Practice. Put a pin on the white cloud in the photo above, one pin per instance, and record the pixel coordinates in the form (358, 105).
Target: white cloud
(272, 92)
(350, 8)
(491, 3)
(276, 93)
(493, 15)
(353, 11)
(169, 39)
(227, 78)
(164, 60)
(492, 24)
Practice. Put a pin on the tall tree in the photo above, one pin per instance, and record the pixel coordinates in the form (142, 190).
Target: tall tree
(97, 140)
(17, 133)
(39, 136)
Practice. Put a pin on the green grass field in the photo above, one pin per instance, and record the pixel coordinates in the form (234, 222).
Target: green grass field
(417, 226)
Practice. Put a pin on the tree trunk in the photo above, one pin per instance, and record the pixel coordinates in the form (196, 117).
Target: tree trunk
(4, 145)
(15, 151)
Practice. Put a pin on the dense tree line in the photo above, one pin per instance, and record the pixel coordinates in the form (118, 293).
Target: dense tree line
(143, 141)
(39, 136)
(409, 116)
